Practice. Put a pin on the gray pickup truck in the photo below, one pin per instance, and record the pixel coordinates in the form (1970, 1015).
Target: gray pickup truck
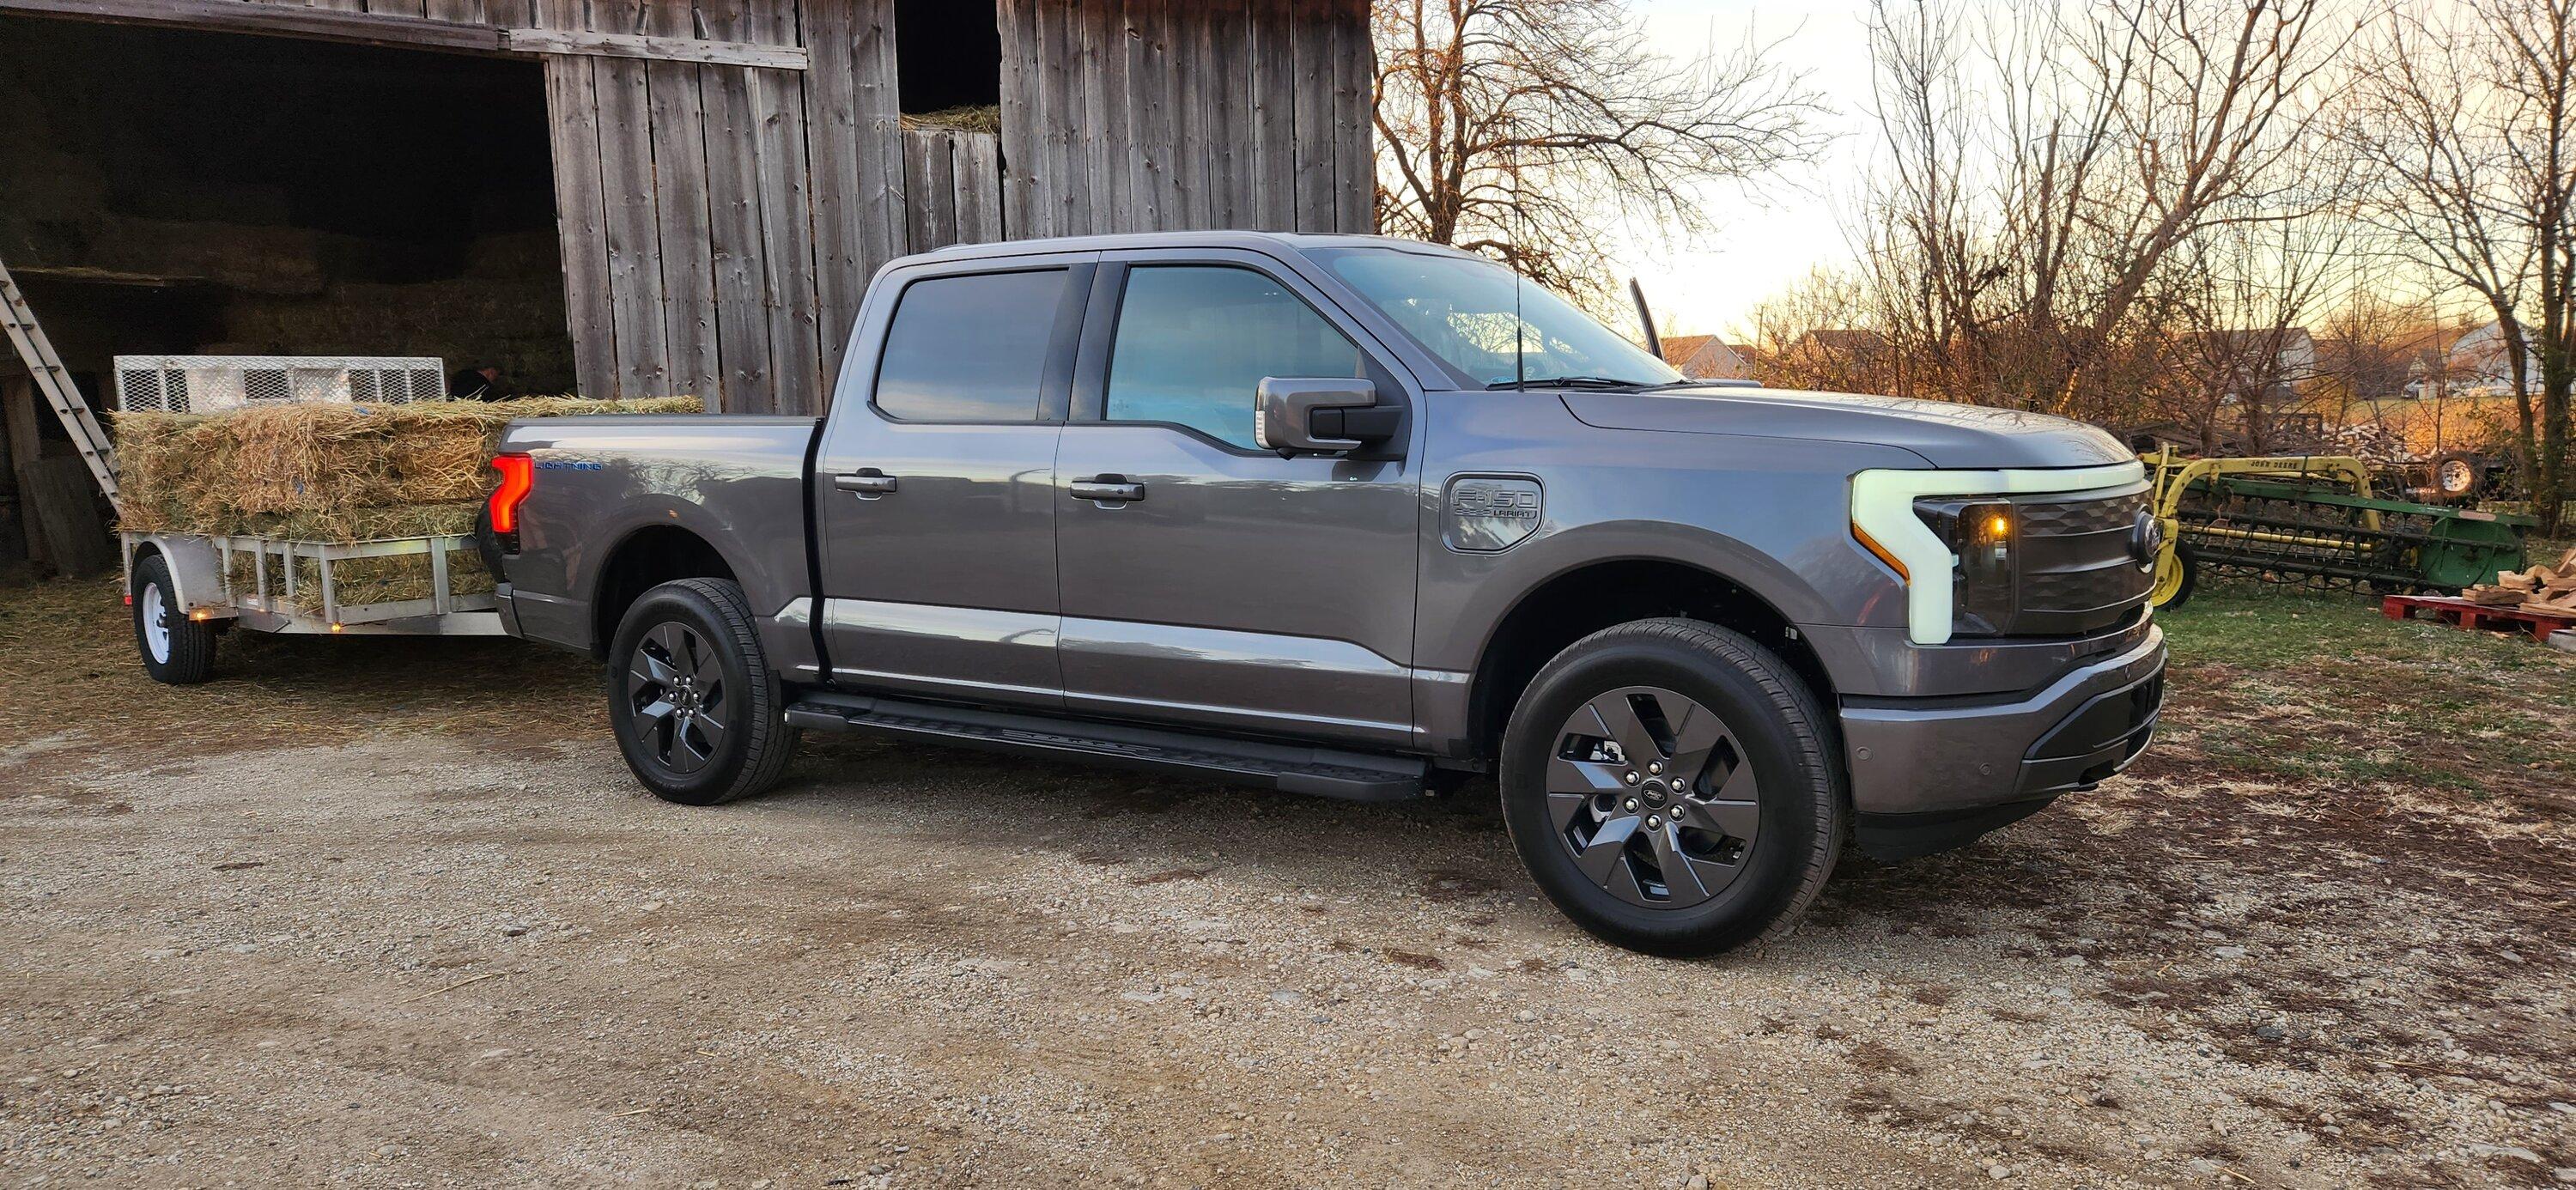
(1353, 517)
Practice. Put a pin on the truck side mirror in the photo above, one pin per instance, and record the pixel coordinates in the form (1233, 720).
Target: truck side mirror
(1297, 416)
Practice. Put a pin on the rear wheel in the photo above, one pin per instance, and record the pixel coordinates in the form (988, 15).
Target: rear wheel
(1671, 787)
(698, 713)
(176, 650)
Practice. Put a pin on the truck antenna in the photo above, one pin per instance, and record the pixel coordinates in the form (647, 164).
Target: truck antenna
(1520, 329)
(1646, 318)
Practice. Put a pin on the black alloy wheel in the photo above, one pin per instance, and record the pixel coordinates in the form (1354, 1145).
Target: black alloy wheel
(1653, 798)
(677, 690)
(1674, 788)
(698, 712)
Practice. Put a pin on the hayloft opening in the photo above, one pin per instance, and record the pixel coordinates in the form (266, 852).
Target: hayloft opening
(948, 64)
(179, 192)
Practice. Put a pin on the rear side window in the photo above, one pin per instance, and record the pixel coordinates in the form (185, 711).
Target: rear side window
(1195, 341)
(971, 348)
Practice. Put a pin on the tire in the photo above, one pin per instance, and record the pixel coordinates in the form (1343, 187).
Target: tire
(176, 650)
(2458, 477)
(1754, 825)
(2173, 589)
(697, 710)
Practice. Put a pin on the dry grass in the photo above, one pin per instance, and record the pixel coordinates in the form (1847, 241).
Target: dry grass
(972, 118)
(69, 647)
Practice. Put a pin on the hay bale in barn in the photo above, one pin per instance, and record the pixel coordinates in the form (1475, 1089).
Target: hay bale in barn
(334, 474)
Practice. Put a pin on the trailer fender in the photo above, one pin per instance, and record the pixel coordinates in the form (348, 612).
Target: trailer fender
(195, 568)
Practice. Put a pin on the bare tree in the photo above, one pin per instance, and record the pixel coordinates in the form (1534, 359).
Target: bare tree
(1525, 129)
(2047, 159)
(2469, 110)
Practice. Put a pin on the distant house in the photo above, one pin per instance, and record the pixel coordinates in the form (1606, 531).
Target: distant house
(2236, 361)
(2480, 363)
(1706, 357)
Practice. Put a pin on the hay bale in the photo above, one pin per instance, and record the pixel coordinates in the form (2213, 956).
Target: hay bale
(322, 472)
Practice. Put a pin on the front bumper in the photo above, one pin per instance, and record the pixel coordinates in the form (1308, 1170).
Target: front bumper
(1933, 773)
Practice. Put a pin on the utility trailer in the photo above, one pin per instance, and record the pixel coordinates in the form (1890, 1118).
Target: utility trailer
(189, 588)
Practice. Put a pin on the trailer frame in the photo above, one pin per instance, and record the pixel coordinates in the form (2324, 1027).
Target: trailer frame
(202, 565)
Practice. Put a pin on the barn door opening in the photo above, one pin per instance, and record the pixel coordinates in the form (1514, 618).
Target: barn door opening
(948, 65)
(179, 192)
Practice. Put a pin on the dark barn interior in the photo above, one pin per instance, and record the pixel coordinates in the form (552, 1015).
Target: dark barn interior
(948, 56)
(184, 192)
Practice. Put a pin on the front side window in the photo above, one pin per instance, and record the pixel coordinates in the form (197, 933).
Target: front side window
(1195, 341)
(970, 348)
(1465, 311)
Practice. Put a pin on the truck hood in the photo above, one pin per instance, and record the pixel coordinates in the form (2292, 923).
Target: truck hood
(1945, 435)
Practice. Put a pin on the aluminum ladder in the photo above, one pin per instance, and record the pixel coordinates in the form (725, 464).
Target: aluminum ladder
(53, 380)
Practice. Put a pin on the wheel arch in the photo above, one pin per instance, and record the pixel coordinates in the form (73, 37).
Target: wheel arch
(1585, 599)
(196, 578)
(646, 557)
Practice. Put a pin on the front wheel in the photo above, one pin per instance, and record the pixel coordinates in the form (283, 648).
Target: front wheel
(698, 713)
(176, 650)
(1673, 789)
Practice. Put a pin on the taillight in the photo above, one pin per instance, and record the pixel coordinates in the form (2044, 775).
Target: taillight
(518, 478)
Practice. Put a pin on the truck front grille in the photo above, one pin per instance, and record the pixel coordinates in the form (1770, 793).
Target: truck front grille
(2078, 574)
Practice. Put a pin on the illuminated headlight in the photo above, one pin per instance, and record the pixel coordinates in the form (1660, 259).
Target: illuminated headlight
(1983, 537)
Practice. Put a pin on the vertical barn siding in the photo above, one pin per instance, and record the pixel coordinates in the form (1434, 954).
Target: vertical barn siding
(953, 181)
(1156, 115)
(720, 223)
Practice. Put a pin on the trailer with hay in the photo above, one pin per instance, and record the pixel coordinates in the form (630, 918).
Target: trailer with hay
(307, 496)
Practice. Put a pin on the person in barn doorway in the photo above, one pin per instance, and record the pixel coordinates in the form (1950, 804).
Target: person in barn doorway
(478, 384)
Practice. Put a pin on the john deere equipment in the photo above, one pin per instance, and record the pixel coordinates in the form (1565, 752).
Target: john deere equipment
(2311, 520)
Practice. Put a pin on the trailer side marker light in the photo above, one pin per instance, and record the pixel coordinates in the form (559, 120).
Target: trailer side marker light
(518, 478)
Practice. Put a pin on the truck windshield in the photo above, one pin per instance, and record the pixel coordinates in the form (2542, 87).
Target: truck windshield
(1464, 311)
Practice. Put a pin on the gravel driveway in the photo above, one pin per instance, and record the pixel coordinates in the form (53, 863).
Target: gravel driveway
(417, 953)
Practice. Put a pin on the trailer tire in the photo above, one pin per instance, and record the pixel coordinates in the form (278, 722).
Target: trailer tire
(699, 714)
(2458, 477)
(176, 650)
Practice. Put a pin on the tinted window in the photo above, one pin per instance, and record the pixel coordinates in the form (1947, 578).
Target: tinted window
(970, 348)
(1194, 343)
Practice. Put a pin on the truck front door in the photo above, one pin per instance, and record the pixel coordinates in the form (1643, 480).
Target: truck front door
(935, 501)
(1207, 581)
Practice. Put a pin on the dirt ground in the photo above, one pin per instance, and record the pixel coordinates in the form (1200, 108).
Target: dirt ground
(392, 914)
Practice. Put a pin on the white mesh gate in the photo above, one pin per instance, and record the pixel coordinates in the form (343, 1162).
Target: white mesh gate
(212, 383)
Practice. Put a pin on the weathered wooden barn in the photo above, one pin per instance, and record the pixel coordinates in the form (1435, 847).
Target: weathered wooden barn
(724, 175)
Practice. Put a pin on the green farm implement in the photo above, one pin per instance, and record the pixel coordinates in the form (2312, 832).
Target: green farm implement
(2312, 520)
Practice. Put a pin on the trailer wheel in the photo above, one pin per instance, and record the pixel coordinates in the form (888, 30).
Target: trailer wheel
(699, 715)
(176, 650)
(2177, 573)
(2458, 476)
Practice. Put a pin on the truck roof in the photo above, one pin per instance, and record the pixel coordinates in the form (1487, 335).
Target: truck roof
(1258, 241)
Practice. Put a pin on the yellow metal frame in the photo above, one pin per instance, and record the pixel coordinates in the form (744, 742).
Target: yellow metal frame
(2173, 475)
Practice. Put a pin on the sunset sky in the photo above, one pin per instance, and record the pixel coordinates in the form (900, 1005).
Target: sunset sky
(1774, 231)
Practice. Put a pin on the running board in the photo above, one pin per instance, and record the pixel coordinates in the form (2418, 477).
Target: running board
(1289, 768)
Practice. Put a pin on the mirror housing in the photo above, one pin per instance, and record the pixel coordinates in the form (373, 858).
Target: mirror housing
(1323, 416)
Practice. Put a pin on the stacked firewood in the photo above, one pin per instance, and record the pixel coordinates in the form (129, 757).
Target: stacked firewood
(2538, 589)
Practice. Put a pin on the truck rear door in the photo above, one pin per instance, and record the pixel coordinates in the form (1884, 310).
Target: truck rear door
(935, 495)
(1206, 580)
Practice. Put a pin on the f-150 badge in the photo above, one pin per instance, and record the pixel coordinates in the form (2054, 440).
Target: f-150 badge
(1484, 513)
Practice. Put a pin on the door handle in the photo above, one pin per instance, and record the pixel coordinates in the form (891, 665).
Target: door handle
(1106, 489)
(867, 483)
